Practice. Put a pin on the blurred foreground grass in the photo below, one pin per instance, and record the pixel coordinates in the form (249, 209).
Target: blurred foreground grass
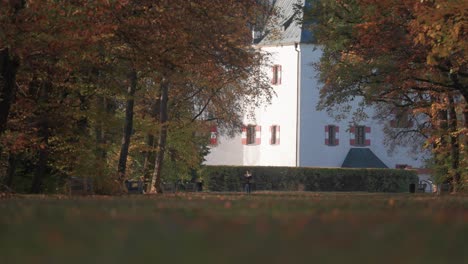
(275, 227)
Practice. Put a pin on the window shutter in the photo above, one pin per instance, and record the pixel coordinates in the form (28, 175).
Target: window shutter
(337, 135)
(276, 74)
(280, 73)
(352, 140)
(331, 140)
(244, 135)
(271, 133)
(278, 135)
(327, 136)
(274, 135)
(258, 135)
(213, 135)
(273, 81)
(368, 141)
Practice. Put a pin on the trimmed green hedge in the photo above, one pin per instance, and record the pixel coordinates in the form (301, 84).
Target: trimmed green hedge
(230, 179)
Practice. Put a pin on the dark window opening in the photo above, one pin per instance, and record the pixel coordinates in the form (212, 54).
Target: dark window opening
(360, 135)
(332, 136)
(250, 134)
(401, 120)
(273, 135)
(276, 78)
(401, 166)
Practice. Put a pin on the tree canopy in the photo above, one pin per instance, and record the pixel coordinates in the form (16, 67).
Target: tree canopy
(407, 56)
(103, 89)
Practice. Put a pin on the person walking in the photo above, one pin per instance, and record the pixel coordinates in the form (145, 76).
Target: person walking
(248, 181)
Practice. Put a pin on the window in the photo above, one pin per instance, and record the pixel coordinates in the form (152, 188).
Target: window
(401, 119)
(251, 135)
(213, 135)
(401, 166)
(331, 135)
(360, 134)
(276, 78)
(275, 135)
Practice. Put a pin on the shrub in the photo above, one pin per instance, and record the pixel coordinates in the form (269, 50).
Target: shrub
(229, 179)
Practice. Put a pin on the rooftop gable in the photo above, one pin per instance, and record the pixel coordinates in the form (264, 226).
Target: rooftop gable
(362, 158)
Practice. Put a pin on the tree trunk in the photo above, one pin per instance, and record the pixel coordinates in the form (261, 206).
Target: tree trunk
(440, 130)
(41, 166)
(462, 141)
(465, 124)
(128, 127)
(465, 134)
(99, 129)
(454, 145)
(442, 126)
(464, 93)
(83, 122)
(43, 133)
(155, 186)
(106, 109)
(148, 155)
(8, 69)
(12, 161)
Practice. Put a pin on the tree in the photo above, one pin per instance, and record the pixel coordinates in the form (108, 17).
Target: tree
(212, 60)
(405, 54)
(74, 72)
(9, 61)
(44, 38)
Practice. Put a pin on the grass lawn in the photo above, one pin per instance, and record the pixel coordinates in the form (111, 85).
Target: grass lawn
(280, 227)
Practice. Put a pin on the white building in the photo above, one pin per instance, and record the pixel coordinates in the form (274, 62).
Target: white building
(290, 131)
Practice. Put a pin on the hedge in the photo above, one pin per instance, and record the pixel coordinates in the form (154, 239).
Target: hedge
(230, 179)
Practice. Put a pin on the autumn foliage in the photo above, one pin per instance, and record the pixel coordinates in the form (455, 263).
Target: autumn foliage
(406, 57)
(104, 89)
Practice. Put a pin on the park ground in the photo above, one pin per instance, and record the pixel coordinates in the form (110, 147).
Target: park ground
(279, 227)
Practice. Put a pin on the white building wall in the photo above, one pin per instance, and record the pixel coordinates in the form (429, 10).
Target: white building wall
(229, 151)
(399, 156)
(313, 150)
(282, 112)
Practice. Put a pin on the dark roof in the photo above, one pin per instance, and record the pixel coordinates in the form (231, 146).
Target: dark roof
(286, 27)
(362, 158)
